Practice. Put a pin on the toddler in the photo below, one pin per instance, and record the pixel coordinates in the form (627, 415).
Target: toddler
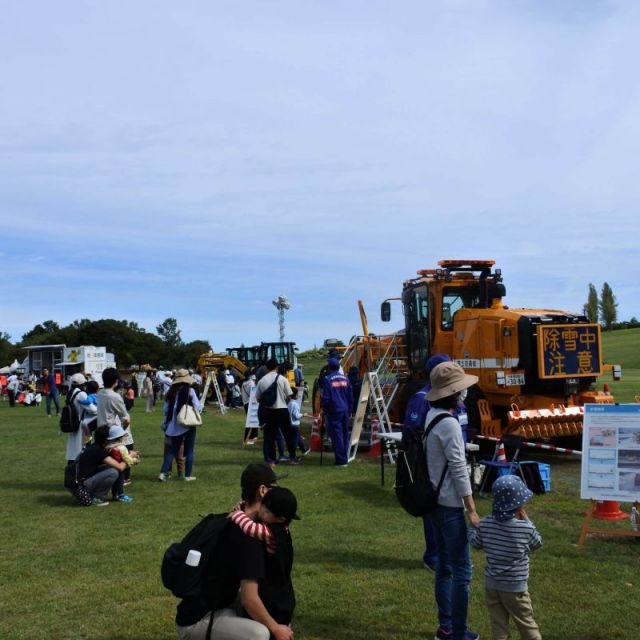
(89, 407)
(507, 536)
(119, 452)
(295, 416)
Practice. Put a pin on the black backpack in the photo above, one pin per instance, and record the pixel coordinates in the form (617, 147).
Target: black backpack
(414, 490)
(69, 418)
(183, 580)
(270, 394)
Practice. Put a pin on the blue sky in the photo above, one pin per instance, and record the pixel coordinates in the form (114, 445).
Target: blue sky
(197, 159)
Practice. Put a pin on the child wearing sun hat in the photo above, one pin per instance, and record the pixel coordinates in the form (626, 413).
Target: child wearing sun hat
(508, 536)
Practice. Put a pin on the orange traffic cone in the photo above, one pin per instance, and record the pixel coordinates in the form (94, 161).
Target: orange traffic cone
(502, 455)
(374, 442)
(609, 510)
(315, 443)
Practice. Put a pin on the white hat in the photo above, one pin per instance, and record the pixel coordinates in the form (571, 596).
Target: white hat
(78, 378)
(116, 432)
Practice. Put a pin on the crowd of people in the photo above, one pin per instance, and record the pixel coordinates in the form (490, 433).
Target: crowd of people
(252, 596)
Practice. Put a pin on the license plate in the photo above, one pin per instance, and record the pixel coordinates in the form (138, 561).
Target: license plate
(514, 379)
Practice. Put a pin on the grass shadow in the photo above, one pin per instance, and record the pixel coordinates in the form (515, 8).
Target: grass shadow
(369, 492)
(363, 560)
(58, 500)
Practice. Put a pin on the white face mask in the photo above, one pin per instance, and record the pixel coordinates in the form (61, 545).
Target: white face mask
(462, 395)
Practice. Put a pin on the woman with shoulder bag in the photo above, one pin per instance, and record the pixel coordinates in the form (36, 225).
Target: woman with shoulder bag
(181, 417)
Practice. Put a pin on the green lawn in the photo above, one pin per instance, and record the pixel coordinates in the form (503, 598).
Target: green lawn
(72, 572)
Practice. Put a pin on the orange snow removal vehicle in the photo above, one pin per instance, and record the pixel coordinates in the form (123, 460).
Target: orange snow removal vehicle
(536, 367)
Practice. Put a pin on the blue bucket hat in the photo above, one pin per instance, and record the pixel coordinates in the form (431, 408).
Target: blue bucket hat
(509, 494)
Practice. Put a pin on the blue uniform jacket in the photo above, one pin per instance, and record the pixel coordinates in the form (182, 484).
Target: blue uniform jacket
(336, 394)
(419, 406)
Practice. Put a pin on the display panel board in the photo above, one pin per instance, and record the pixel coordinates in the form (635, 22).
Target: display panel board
(569, 350)
(611, 452)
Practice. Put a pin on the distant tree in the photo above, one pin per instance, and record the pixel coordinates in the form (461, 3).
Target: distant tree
(170, 333)
(187, 355)
(608, 306)
(591, 307)
(6, 349)
(45, 330)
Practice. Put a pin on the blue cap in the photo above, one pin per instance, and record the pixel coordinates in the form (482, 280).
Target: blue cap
(334, 364)
(434, 361)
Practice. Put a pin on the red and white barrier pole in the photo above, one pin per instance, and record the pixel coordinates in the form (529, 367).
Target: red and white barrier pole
(538, 445)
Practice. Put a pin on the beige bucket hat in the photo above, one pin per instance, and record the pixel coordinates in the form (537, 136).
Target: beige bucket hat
(447, 379)
(182, 375)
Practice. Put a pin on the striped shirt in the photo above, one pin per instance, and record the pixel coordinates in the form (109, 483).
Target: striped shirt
(254, 530)
(507, 545)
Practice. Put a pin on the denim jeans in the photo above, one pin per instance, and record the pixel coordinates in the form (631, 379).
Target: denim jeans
(453, 572)
(189, 439)
(55, 397)
(430, 555)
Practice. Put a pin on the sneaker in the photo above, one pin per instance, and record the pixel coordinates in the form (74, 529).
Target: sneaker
(283, 459)
(306, 452)
(341, 466)
(189, 478)
(97, 502)
(162, 477)
(294, 461)
(126, 483)
(125, 499)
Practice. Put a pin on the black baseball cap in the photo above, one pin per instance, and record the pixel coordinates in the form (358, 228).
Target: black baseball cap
(256, 474)
(282, 503)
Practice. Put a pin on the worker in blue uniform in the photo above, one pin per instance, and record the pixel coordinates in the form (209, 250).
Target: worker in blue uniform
(337, 403)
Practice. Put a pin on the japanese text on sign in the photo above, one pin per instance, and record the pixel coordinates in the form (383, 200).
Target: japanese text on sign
(569, 350)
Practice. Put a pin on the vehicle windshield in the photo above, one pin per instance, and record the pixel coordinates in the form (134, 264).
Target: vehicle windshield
(454, 299)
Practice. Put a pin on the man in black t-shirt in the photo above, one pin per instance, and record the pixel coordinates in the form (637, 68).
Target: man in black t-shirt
(233, 580)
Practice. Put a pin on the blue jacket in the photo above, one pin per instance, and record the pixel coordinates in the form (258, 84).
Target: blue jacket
(336, 394)
(418, 407)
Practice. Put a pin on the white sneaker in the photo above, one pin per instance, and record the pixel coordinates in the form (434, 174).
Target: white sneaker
(162, 477)
(189, 478)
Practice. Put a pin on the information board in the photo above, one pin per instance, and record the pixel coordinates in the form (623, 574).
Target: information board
(611, 452)
(569, 350)
(252, 421)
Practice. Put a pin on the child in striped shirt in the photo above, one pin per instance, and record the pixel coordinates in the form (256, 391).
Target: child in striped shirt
(507, 536)
(278, 508)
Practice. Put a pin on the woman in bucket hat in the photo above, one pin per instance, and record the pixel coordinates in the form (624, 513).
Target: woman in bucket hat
(445, 452)
(508, 536)
(180, 393)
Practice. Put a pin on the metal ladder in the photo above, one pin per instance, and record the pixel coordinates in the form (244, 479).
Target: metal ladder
(213, 380)
(379, 387)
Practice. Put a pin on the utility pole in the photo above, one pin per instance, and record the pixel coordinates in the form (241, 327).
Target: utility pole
(281, 303)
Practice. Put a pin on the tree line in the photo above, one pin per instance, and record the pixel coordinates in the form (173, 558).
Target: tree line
(604, 309)
(130, 343)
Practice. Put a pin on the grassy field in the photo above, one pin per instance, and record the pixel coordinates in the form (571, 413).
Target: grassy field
(71, 572)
